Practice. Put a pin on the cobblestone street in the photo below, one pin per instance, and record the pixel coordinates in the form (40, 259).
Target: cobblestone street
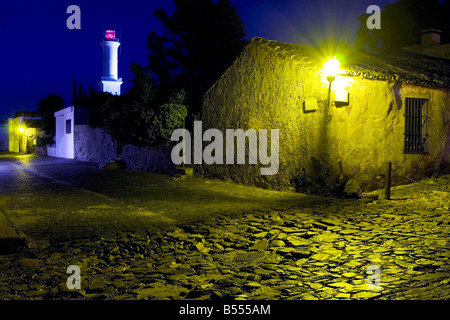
(138, 235)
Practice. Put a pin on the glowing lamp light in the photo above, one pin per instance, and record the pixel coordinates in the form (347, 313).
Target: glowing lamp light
(110, 35)
(21, 129)
(331, 68)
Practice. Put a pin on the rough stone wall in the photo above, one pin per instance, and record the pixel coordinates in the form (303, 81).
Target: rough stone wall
(368, 133)
(148, 159)
(264, 90)
(93, 144)
(259, 95)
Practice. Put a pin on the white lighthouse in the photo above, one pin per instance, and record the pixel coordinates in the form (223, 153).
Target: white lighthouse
(110, 80)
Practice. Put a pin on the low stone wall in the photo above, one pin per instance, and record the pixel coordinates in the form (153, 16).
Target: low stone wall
(96, 145)
(93, 144)
(155, 159)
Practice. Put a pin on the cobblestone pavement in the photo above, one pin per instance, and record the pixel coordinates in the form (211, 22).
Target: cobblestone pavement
(137, 235)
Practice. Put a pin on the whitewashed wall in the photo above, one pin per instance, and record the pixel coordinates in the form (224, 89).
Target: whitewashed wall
(64, 140)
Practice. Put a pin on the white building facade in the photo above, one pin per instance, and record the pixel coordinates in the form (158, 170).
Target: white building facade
(64, 132)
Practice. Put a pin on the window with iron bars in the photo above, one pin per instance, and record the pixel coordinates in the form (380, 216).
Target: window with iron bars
(416, 125)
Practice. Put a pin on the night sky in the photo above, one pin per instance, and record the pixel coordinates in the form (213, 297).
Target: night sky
(40, 56)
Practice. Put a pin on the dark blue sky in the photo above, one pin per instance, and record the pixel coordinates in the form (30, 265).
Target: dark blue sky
(39, 55)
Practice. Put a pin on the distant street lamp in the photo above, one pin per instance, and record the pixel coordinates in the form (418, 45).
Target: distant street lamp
(331, 69)
(21, 129)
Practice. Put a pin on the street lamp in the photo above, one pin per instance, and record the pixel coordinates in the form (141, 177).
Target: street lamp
(331, 68)
(21, 129)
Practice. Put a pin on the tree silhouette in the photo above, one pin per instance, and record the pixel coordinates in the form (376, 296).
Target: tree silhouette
(47, 108)
(200, 41)
(402, 23)
(74, 90)
(80, 98)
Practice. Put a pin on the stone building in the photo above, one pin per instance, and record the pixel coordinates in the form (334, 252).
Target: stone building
(379, 109)
(22, 133)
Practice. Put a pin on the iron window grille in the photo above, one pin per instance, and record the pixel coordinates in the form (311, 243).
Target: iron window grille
(416, 125)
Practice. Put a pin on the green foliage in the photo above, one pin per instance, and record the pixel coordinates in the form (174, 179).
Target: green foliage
(43, 141)
(137, 118)
(402, 23)
(114, 116)
(170, 117)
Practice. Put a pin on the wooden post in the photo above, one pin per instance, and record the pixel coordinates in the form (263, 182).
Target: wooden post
(329, 95)
(387, 183)
(184, 142)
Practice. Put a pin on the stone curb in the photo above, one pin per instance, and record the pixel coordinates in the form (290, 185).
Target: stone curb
(11, 241)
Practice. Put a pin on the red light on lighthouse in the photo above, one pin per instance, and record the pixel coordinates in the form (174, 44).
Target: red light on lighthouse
(110, 35)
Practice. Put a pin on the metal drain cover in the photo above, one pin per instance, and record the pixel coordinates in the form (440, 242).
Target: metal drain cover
(249, 256)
